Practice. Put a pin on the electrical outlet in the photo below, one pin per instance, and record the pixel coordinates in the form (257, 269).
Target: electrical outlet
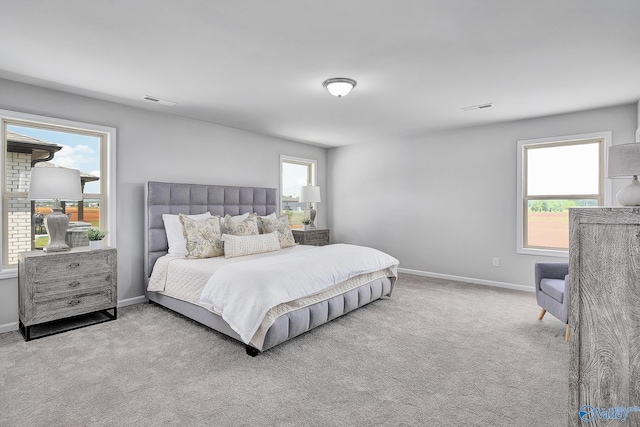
(496, 262)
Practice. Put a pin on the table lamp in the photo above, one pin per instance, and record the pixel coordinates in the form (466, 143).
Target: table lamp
(310, 194)
(55, 183)
(624, 162)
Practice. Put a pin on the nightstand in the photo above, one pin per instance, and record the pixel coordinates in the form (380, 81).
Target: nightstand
(314, 236)
(60, 291)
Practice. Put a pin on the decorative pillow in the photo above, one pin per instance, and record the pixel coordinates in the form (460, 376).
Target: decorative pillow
(236, 217)
(204, 239)
(246, 227)
(175, 237)
(235, 246)
(281, 225)
(272, 215)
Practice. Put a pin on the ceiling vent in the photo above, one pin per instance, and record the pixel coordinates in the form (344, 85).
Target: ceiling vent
(158, 100)
(478, 107)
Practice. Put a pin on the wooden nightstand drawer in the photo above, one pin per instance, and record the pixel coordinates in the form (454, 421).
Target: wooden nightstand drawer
(72, 305)
(57, 265)
(315, 236)
(71, 284)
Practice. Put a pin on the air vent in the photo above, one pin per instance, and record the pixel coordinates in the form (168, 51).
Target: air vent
(478, 107)
(158, 100)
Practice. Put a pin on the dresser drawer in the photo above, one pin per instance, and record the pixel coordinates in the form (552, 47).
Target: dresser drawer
(48, 288)
(318, 239)
(56, 266)
(316, 236)
(71, 305)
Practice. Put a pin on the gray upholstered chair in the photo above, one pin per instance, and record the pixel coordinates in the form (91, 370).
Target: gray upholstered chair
(552, 290)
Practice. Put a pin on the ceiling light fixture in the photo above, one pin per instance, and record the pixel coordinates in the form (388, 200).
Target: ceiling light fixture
(339, 86)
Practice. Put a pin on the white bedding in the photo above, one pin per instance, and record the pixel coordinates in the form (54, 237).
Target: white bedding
(243, 292)
(250, 292)
(184, 278)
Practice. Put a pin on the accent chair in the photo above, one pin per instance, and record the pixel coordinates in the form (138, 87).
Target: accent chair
(552, 290)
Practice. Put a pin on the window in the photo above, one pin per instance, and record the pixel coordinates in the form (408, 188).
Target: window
(295, 173)
(555, 174)
(30, 141)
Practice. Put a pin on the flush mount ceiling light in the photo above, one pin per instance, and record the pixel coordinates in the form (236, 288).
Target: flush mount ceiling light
(339, 86)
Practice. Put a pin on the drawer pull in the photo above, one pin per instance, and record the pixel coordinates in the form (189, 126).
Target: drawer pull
(74, 284)
(74, 265)
(74, 302)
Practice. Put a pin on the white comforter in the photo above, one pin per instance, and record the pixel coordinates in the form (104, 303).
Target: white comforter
(245, 291)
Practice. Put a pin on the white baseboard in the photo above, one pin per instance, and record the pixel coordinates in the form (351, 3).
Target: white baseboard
(131, 301)
(8, 327)
(468, 280)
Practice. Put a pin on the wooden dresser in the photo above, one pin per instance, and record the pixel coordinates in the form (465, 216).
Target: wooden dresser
(314, 236)
(604, 316)
(61, 285)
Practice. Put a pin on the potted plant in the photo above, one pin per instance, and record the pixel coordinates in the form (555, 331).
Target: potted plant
(307, 223)
(95, 236)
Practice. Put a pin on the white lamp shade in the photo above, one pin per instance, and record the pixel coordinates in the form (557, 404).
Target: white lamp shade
(624, 160)
(310, 193)
(55, 183)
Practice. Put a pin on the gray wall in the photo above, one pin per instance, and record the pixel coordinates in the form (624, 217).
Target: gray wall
(446, 203)
(161, 147)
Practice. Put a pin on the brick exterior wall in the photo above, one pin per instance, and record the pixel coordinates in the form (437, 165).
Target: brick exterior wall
(18, 210)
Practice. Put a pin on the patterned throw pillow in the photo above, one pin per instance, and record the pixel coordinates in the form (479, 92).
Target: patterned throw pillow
(281, 225)
(175, 236)
(246, 227)
(235, 246)
(204, 239)
(272, 215)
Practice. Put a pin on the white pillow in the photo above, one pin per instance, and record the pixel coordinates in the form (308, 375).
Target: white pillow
(175, 237)
(237, 217)
(235, 246)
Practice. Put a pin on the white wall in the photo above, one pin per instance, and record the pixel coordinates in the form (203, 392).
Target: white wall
(446, 203)
(160, 147)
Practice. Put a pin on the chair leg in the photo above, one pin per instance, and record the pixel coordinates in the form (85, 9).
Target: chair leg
(542, 313)
(566, 335)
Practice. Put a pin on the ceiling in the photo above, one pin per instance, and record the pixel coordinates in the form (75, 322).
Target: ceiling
(259, 65)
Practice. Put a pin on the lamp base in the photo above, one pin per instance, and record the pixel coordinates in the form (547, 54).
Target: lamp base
(630, 195)
(56, 224)
(312, 217)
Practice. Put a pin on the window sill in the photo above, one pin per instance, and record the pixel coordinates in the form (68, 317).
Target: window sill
(9, 274)
(544, 252)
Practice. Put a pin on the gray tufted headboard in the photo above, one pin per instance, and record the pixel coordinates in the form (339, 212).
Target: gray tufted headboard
(172, 198)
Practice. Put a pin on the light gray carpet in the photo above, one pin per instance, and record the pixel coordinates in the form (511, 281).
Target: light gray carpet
(437, 353)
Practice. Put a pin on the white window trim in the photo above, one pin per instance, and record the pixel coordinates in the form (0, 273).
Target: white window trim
(110, 133)
(314, 173)
(606, 135)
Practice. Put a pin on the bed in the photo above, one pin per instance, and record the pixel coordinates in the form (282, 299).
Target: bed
(181, 284)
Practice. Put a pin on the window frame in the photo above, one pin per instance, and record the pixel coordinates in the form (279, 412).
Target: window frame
(107, 164)
(312, 179)
(522, 199)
